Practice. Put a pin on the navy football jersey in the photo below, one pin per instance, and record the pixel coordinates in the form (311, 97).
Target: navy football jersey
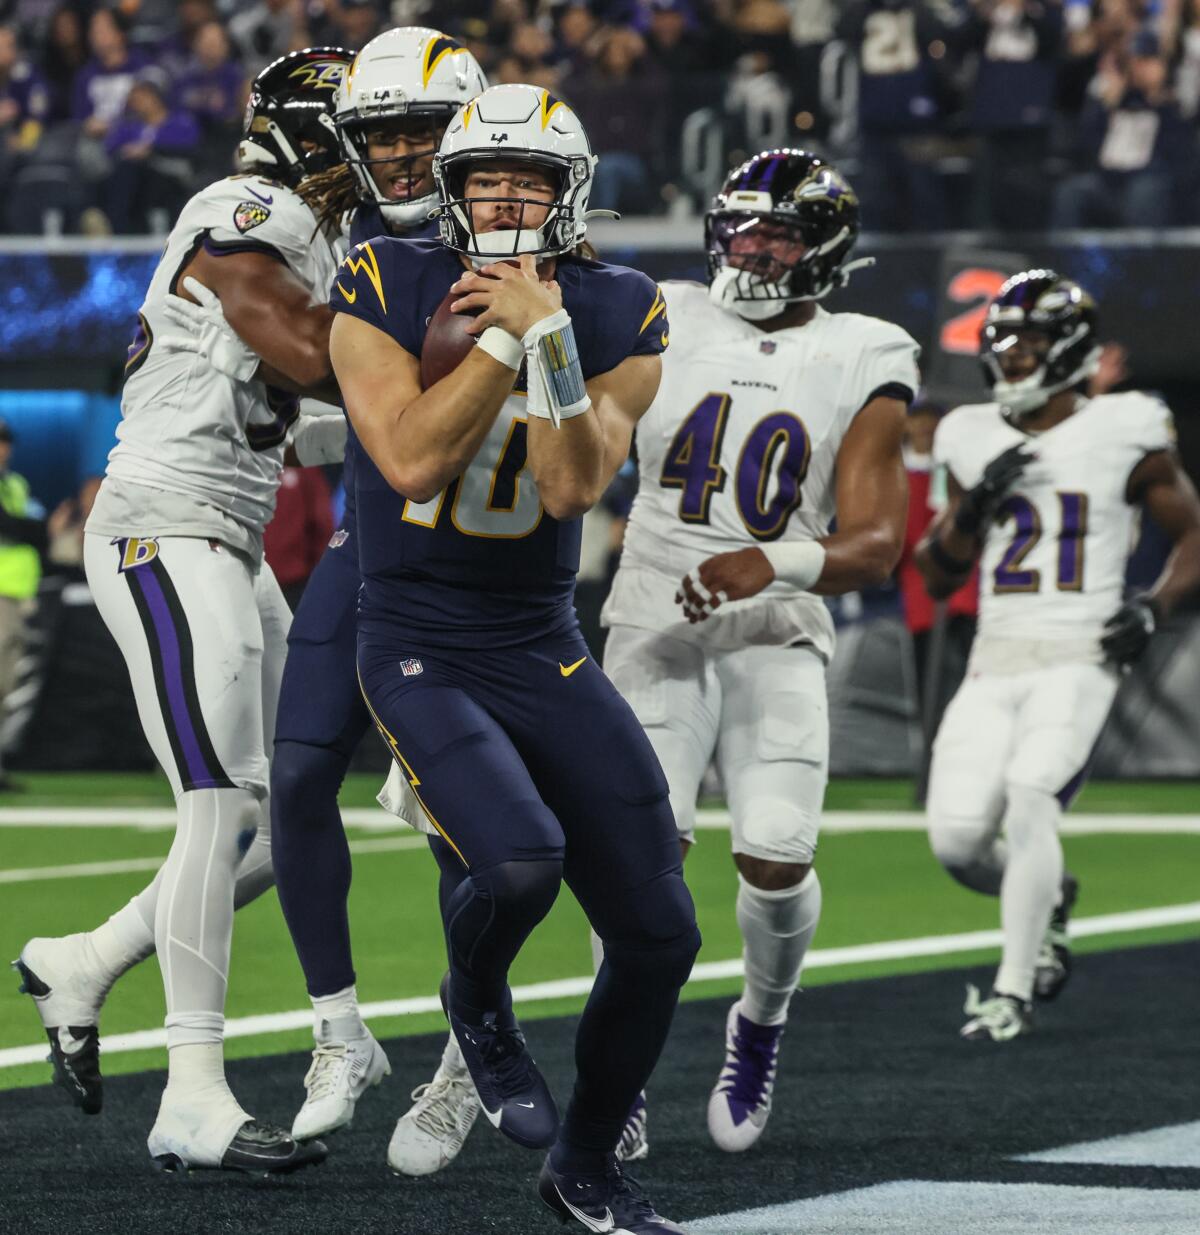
(367, 222)
(482, 563)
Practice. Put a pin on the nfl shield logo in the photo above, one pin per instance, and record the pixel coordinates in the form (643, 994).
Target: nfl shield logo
(410, 668)
(767, 347)
(339, 538)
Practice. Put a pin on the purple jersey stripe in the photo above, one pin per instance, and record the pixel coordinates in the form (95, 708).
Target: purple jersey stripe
(169, 670)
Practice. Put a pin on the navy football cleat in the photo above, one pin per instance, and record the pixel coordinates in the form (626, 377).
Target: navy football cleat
(513, 1094)
(609, 1202)
(1054, 957)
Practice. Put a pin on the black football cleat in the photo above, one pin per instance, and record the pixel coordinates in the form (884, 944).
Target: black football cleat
(256, 1149)
(74, 1049)
(611, 1202)
(1053, 967)
(513, 1094)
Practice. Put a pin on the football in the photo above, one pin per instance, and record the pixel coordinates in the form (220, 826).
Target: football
(446, 343)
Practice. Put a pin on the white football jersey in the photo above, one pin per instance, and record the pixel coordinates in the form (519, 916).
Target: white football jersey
(185, 428)
(1053, 562)
(739, 448)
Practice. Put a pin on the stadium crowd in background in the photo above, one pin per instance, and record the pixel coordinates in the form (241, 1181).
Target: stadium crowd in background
(946, 113)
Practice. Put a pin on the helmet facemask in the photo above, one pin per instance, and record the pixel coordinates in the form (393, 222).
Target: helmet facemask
(556, 232)
(1064, 362)
(411, 208)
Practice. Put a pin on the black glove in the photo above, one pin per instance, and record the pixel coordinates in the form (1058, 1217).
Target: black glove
(1128, 631)
(979, 505)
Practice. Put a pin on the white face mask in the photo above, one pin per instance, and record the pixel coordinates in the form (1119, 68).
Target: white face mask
(731, 289)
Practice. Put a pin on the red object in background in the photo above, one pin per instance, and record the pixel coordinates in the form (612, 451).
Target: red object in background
(918, 605)
(303, 523)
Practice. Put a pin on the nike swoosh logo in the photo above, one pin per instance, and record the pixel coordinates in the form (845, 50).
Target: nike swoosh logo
(607, 1223)
(266, 201)
(351, 296)
(567, 670)
(527, 1105)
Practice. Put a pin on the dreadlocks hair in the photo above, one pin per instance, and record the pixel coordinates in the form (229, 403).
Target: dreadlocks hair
(330, 195)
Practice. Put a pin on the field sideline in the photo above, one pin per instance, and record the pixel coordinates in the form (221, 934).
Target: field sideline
(888, 908)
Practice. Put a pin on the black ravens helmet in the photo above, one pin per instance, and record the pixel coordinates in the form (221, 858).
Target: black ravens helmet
(779, 231)
(1055, 319)
(289, 125)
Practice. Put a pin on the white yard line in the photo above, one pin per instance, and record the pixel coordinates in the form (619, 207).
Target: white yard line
(710, 971)
(373, 818)
(33, 874)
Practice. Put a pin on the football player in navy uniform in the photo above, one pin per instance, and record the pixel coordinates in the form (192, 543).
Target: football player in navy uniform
(519, 751)
(392, 109)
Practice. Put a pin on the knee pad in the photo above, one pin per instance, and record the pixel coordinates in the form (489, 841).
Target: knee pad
(520, 887)
(959, 842)
(304, 778)
(664, 939)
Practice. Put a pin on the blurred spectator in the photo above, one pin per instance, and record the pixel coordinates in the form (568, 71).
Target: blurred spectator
(619, 100)
(677, 43)
(904, 97)
(1012, 107)
(350, 23)
(24, 103)
(149, 146)
(297, 535)
(176, 51)
(579, 37)
(265, 31)
(104, 81)
(22, 537)
(213, 89)
(65, 53)
(64, 529)
(1135, 147)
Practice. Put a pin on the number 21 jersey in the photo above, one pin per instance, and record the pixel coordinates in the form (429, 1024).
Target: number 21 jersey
(1053, 562)
(739, 448)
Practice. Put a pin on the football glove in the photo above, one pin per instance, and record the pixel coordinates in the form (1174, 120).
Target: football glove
(979, 505)
(207, 333)
(1128, 631)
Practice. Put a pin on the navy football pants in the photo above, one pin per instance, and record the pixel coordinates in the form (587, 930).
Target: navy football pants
(321, 720)
(532, 767)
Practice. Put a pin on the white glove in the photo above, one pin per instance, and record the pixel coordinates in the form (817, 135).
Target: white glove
(207, 333)
(319, 439)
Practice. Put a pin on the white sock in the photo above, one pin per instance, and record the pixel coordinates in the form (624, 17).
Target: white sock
(336, 1017)
(452, 1060)
(196, 1071)
(124, 940)
(193, 919)
(1031, 887)
(777, 928)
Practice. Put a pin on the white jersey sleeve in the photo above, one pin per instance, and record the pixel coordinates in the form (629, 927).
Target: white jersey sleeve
(187, 430)
(740, 448)
(1053, 560)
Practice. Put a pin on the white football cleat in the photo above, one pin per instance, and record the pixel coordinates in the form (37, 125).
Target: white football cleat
(61, 977)
(999, 1018)
(634, 1144)
(342, 1070)
(430, 1134)
(740, 1103)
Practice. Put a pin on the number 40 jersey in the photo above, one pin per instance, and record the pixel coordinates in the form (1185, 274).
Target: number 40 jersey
(1053, 563)
(739, 448)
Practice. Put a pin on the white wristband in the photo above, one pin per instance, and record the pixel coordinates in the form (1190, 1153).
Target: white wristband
(797, 562)
(502, 346)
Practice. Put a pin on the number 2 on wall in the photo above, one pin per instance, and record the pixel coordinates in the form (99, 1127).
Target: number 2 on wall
(1010, 575)
(777, 446)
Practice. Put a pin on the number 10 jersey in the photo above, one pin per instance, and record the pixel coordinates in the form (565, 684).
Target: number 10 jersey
(740, 448)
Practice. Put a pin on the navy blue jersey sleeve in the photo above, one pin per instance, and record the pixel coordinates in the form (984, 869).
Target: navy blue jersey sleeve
(617, 313)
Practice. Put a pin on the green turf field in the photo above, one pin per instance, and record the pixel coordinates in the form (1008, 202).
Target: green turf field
(879, 886)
